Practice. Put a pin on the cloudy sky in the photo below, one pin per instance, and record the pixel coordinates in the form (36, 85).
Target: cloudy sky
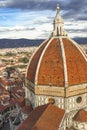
(33, 19)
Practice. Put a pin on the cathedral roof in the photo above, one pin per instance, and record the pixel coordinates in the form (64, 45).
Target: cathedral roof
(59, 61)
(42, 117)
(81, 116)
(27, 109)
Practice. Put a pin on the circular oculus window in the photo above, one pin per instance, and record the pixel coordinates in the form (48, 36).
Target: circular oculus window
(51, 100)
(79, 99)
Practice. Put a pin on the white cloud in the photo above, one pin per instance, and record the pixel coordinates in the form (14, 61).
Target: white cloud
(15, 28)
(16, 23)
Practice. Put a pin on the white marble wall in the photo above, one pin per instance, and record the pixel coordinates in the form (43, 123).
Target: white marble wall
(30, 96)
(79, 125)
(72, 104)
(42, 99)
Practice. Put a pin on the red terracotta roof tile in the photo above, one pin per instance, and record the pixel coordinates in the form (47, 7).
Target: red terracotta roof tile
(52, 115)
(2, 108)
(51, 69)
(33, 64)
(33, 117)
(27, 109)
(8, 103)
(41, 118)
(76, 64)
(81, 116)
(18, 90)
(12, 102)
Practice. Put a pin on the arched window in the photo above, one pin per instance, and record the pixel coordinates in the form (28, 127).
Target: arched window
(57, 31)
(60, 31)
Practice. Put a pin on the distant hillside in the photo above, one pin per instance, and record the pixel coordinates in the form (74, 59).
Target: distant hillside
(15, 43)
(81, 40)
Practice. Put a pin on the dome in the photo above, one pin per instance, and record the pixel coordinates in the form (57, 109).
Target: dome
(58, 62)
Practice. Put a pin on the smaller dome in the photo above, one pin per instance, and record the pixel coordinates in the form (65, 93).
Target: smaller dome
(81, 116)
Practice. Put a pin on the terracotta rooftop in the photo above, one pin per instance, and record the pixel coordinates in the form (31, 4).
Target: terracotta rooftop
(34, 62)
(3, 91)
(9, 82)
(18, 93)
(27, 109)
(7, 103)
(12, 102)
(51, 67)
(52, 115)
(81, 116)
(53, 62)
(41, 118)
(2, 108)
(19, 90)
(75, 60)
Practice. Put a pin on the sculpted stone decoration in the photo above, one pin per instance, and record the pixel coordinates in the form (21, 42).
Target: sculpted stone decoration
(51, 100)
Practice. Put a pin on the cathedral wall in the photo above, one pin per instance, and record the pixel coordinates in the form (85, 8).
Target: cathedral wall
(43, 99)
(30, 96)
(76, 90)
(72, 105)
(80, 125)
(69, 103)
(76, 102)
